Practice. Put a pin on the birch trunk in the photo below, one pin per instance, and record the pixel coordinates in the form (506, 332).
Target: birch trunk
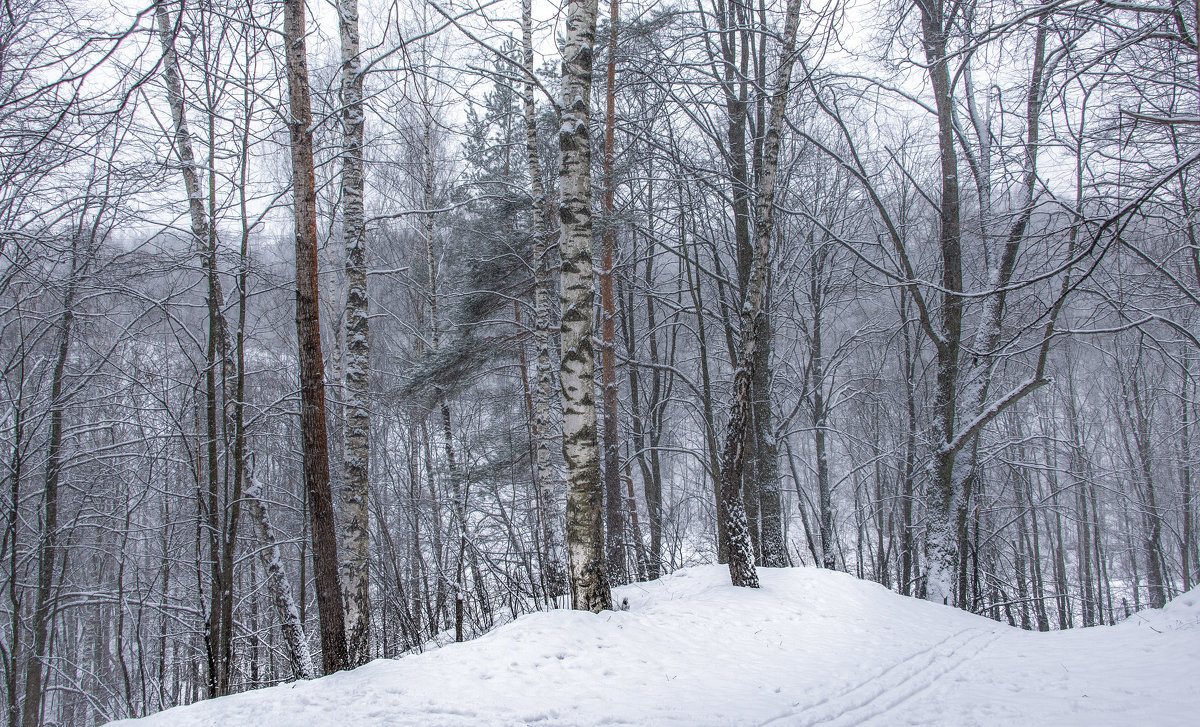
(547, 480)
(221, 556)
(585, 527)
(182, 141)
(356, 540)
(308, 333)
(294, 639)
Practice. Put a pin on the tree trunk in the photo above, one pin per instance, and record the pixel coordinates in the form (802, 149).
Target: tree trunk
(710, 430)
(220, 618)
(547, 481)
(42, 617)
(585, 526)
(820, 416)
(766, 459)
(1078, 469)
(292, 627)
(941, 542)
(1185, 474)
(356, 541)
(613, 515)
(980, 366)
(908, 547)
(741, 555)
(308, 333)
(646, 422)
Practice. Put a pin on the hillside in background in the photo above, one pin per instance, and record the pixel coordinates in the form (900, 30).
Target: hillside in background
(810, 647)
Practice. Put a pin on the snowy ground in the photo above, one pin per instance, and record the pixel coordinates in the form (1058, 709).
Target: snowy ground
(811, 647)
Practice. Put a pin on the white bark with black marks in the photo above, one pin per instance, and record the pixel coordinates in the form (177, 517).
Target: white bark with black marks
(280, 586)
(356, 457)
(553, 574)
(585, 526)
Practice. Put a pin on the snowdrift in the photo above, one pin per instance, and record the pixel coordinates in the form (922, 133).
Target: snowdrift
(810, 647)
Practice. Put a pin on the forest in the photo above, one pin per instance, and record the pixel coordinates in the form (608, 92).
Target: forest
(340, 331)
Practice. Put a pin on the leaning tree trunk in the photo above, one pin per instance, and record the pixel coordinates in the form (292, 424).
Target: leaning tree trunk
(356, 540)
(182, 134)
(979, 371)
(741, 550)
(294, 639)
(216, 636)
(585, 526)
(314, 443)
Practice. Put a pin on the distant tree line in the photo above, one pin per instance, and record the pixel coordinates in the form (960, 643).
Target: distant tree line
(319, 347)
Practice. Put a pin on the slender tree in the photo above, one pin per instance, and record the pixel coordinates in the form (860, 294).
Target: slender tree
(314, 444)
(357, 362)
(613, 510)
(544, 215)
(280, 586)
(585, 525)
(741, 555)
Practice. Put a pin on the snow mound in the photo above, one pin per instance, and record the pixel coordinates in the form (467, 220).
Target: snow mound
(810, 647)
(1183, 613)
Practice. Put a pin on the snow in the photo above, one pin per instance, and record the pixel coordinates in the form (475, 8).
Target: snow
(809, 647)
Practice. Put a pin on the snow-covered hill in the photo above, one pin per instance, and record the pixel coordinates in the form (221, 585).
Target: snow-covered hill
(810, 647)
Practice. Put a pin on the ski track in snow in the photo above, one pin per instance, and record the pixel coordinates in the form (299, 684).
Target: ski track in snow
(810, 648)
(879, 694)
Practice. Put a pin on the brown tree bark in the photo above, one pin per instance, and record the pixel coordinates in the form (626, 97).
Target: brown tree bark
(314, 443)
(613, 515)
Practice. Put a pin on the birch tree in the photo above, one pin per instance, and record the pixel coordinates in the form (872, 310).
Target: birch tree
(357, 361)
(585, 525)
(280, 586)
(543, 228)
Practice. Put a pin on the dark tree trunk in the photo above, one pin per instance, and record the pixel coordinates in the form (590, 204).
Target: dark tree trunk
(314, 443)
(613, 510)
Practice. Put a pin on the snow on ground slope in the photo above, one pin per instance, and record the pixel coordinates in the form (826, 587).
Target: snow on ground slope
(811, 647)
